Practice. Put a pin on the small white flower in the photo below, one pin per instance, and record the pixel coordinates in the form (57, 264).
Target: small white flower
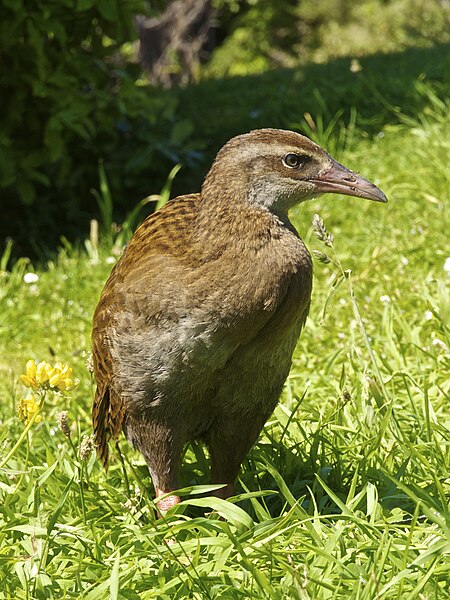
(428, 315)
(355, 66)
(404, 260)
(110, 260)
(447, 265)
(385, 299)
(30, 277)
(439, 344)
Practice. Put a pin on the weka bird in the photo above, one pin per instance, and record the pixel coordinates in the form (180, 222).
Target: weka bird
(195, 328)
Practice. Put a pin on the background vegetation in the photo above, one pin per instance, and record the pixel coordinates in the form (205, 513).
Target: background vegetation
(346, 493)
(73, 95)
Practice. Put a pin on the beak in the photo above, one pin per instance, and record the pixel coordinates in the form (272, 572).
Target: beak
(340, 180)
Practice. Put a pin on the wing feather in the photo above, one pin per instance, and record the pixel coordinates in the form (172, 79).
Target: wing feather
(145, 247)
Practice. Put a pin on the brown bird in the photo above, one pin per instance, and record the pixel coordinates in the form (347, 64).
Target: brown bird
(195, 328)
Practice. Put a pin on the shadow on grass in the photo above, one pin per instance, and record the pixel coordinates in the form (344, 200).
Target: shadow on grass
(378, 87)
(296, 480)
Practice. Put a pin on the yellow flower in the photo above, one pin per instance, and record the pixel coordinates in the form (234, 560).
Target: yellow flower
(28, 407)
(29, 377)
(43, 371)
(62, 377)
(44, 376)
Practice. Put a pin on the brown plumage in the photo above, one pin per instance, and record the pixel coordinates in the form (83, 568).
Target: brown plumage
(195, 328)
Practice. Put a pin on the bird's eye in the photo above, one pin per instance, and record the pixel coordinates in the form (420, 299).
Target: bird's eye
(292, 160)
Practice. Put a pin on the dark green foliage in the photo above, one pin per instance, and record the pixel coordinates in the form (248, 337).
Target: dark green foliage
(257, 36)
(69, 99)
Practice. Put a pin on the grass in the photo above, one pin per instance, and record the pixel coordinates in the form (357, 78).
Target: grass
(346, 493)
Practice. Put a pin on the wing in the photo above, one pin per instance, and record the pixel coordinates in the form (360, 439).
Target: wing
(108, 409)
(158, 238)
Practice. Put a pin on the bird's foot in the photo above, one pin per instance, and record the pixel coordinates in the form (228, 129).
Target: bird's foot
(166, 503)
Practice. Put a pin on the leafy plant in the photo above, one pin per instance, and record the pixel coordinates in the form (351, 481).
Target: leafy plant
(70, 98)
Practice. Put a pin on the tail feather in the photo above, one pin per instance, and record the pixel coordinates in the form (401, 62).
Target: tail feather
(107, 420)
(100, 423)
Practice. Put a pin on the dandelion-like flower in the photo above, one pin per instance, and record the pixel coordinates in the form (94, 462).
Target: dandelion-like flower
(28, 407)
(355, 66)
(41, 378)
(45, 376)
(30, 277)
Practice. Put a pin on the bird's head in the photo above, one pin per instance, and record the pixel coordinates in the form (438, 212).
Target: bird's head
(277, 169)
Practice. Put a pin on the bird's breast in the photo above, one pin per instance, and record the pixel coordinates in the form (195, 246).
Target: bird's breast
(177, 329)
(276, 277)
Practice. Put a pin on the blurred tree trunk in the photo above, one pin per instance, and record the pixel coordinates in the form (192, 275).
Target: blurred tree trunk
(171, 44)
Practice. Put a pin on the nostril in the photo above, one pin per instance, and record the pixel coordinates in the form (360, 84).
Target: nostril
(350, 179)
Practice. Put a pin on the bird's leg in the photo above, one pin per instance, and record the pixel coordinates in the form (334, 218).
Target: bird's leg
(224, 492)
(163, 465)
(161, 447)
(229, 441)
(224, 472)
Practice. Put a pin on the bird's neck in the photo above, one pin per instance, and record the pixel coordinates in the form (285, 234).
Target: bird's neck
(229, 218)
(236, 196)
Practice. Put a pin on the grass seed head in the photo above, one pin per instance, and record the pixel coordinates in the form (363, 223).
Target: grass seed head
(63, 424)
(321, 257)
(320, 231)
(86, 447)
